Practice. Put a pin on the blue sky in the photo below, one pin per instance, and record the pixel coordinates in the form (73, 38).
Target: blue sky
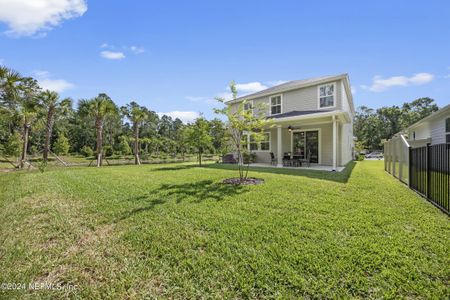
(175, 56)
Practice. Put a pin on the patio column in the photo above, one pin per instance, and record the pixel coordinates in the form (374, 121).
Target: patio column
(279, 147)
(334, 143)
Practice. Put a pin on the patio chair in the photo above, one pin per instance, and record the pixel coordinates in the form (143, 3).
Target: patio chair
(306, 160)
(273, 160)
(287, 162)
(296, 160)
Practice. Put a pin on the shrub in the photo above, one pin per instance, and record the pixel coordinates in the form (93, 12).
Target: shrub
(108, 151)
(249, 158)
(124, 147)
(13, 145)
(61, 146)
(360, 157)
(87, 151)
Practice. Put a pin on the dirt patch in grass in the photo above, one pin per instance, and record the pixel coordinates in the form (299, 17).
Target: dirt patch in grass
(244, 181)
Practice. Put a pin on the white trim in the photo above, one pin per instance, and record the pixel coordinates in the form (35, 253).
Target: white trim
(270, 104)
(320, 141)
(334, 95)
(338, 113)
(251, 103)
(259, 144)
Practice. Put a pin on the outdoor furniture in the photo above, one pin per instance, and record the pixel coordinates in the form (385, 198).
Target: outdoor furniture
(273, 160)
(306, 160)
(229, 159)
(287, 162)
(296, 160)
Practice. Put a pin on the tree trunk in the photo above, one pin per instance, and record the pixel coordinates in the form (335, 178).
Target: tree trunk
(25, 145)
(137, 161)
(200, 158)
(99, 127)
(48, 133)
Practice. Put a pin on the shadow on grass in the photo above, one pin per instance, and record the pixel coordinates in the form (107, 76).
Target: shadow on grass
(175, 168)
(194, 192)
(341, 177)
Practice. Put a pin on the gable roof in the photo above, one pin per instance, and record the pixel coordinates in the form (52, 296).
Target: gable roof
(297, 84)
(442, 112)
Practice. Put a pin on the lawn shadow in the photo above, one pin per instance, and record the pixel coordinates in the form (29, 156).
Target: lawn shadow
(341, 177)
(176, 168)
(195, 192)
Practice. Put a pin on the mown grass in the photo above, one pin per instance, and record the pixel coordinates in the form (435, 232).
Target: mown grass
(174, 231)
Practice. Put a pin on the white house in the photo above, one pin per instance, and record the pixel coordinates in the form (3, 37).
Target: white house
(312, 117)
(434, 129)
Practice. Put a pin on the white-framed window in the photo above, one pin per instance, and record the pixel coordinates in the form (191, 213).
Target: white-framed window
(275, 105)
(447, 130)
(263, 146)
(248, 105)
(327, 95)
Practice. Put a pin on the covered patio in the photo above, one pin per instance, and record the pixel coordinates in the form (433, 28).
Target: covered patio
(315, 167)
(316, 140)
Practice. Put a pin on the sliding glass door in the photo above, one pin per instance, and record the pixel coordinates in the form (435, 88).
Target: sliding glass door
(304, 142)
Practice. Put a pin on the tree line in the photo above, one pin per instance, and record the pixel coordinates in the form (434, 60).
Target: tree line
(39, 122)
(373, 126)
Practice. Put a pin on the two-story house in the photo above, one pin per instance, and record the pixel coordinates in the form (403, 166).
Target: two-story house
(312, 117)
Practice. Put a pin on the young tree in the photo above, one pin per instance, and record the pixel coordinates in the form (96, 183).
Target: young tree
(137, 115)
(199, 138)
(242, 123)
(53, 106)
(124, 147)
(62, 145)
(98, 108)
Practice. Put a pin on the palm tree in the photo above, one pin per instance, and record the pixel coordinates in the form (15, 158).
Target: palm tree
(53, 106)
(137, 115)
(18, 96)
(98, 108)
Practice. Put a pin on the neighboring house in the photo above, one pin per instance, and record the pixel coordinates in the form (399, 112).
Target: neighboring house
(434, 129)
(310, 116)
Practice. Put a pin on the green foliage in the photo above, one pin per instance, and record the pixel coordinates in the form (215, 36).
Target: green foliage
(62, 145)
(14, 145)
(199, 138)
(249, 158)
(301, 235)
(109, 151)
(124, 146)
(372, 126)
(242, 123)
(87, 151)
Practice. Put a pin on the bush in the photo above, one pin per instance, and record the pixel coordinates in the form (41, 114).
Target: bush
(87, 151)
(249, 158)
(13, 145)
(360, 157)
(108, 151)
(124, 147)
(62, 146)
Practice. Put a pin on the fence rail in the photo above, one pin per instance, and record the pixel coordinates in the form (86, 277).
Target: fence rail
(430, 174)
(425, 169)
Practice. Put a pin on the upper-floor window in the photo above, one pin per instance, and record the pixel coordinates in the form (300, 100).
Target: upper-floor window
(248, 106)
(275, 105)
(447, 130)
(327, 93)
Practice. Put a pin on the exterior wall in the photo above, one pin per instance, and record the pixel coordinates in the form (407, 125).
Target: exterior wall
(438, 130)
(326, 143)
(434, 129)
(303, 99)
(346, 143)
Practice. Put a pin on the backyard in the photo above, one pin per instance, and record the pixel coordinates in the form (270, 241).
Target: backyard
(175, 231)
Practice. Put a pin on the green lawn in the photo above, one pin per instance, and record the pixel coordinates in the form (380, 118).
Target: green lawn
(174, 231)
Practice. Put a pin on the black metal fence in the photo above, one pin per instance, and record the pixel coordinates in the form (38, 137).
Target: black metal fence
(429, 173)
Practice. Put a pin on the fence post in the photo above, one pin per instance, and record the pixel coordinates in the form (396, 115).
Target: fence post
(409, 166)
(428, 152)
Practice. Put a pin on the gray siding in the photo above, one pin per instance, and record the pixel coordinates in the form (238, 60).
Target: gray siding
(302, 99)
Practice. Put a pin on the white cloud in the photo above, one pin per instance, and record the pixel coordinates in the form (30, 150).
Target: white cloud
(112, 55)
(185, 116)
(32, 17)
(2, 61)
(353, 89)
(137, 50)
(104, 45)
(447, 76)
(277, 82)
(47, 83)
(195, 98)
(250, 87)
(380, 84)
